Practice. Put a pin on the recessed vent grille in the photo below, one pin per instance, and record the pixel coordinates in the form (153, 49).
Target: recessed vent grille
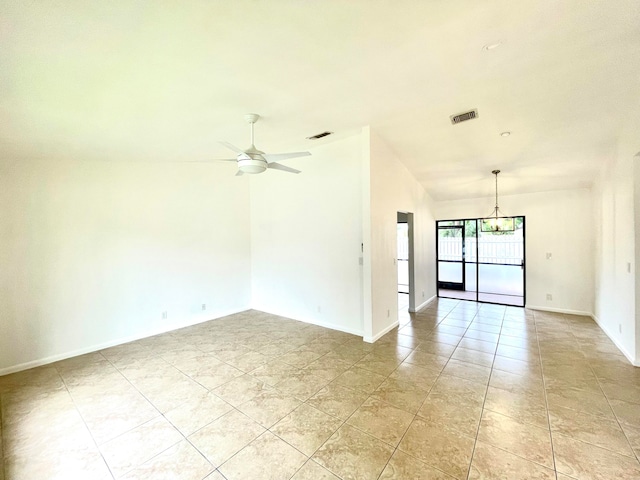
(320, 135)
(463, 117)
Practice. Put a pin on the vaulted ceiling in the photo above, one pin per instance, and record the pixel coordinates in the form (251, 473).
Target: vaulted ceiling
(158, 81)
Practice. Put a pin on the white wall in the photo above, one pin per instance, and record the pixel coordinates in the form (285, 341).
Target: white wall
(394, 189)
(616, 197)
(93, 252)
(558, 222)
(306, 238)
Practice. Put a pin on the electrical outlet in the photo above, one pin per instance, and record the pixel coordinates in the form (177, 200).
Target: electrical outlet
(204, 306)
(164, 315)
(620, 327)
(628, 267)
(548, 255)
(388, 313)
(422, 294)
(549, 296)
(319, 309)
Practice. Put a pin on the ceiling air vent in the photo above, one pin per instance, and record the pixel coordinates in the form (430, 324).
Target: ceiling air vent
(320, 135)
(463, 117)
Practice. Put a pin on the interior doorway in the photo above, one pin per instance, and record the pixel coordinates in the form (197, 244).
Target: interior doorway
(476, 261)
(404, 262)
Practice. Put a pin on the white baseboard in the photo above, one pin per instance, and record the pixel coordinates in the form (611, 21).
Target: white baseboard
(423, 304)
(382, 333)
(559, 310)
(112, 343)
(631, 358)
(312, 321)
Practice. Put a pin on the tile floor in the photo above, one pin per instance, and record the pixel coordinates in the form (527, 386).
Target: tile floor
(459, 391)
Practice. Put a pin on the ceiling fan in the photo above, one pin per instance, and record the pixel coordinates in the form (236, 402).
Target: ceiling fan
(253, 160)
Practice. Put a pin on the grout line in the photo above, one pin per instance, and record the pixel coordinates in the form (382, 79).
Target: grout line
(544, 391)
(484, 400)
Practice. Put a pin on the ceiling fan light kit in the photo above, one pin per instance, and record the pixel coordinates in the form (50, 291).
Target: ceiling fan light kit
(253, 161)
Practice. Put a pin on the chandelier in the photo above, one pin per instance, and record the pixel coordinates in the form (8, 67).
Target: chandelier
(496, 221)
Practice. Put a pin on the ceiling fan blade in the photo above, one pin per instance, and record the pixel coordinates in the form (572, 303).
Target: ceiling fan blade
(277, 166)
(276, 157)
(231, 147)
(239, 173)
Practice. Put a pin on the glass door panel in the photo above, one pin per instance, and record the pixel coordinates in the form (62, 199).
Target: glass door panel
(450, 257)
(501, 265)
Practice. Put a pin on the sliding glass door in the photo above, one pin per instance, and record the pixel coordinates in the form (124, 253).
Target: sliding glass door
(477, 262)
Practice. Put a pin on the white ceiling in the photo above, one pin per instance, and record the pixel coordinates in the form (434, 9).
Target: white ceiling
(141, 80)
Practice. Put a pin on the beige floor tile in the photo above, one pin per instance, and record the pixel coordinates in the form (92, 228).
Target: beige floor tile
(531, 355)
(458, 412)
(141, 444)
(439, 446)
(580, 400)
(518, 367)
(299, 358)
(588, 462)
(302, 384)
(338, 401)
(440, 349)
(168, 392)
(529, 442)
(528, 383)
(328, 367)
(442, 337)
(633, 435)
(468, 371)
(422, 358)
(484, 336)
(390, 351)
(597, 430)
(491, 463)
(269, 407)
(196, 412)
(312, 471)
(404, 395)
(450, 330)
(626, 392)
(479, 345)
(214, 377)
(628, 413)
(240, 389)
(360, 379)
(380, 365)
(306, 428)
(224, 437)
(460, 388)
(382, 420)
(350, 355)
(402, 466)
(267, 457)
(420, 376)
(473, 356)
(353, 455)
(523, 407)
(248, 361)
(180, 462)
(273, 372)
(73, 464)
